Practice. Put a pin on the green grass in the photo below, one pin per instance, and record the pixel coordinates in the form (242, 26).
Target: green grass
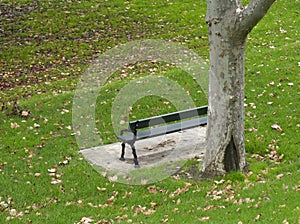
(46, 47)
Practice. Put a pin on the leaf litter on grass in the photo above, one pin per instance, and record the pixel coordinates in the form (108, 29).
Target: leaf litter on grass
(221, 195)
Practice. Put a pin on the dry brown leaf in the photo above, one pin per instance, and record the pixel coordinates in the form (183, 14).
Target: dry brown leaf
(219, 182)
(213, 207)
(142, 210)
(296, 188)
(285, 221)
(257, 217)
(127, 195)
(152, 189)
(175, 209)
(101, 188)
(86, 220)
(52, 170)
(36, 125)
(205, 218)
(279, 176)
(25, 113)
(14, 125)
(180, 191)
(113, 179)
(153, 204)
(56, 181)
(276, 127)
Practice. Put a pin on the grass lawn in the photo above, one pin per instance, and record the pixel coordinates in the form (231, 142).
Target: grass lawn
(46, 46)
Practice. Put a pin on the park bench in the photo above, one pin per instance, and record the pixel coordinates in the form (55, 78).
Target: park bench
(160, 125)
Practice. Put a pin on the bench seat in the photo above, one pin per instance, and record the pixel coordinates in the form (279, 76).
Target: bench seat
(161, 125)
(165, 129)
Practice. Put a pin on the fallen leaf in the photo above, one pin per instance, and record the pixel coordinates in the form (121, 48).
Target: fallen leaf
(52, 170)
(205, 218)
(36, 125)
(127, 195)
(56, 181)
(13, 212)
(282, 30)
(110, 201)
(149, 211)
(213, 207)
(65, 111)
(143, 210)
(219, 182)
(285, 222)
(152, 189)
(25, 113)
(257, 217)
(86, 220)
(101, 189)
(153, 204)
(14, 125)
(113, 179)
(296, 188)
(180, 191)
(279, 176)
(277, 127)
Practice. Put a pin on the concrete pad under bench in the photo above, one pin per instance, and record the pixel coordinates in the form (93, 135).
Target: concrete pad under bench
(151, 152)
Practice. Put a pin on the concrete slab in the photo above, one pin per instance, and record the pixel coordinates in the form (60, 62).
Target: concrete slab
(153, 152)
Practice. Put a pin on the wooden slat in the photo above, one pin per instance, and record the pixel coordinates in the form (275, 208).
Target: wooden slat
(166, 118)
(166, 129)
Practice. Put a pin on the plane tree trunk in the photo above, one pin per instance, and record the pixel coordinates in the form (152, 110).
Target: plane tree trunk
(229, 24)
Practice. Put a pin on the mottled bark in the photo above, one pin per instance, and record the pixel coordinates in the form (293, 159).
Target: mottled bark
(228, 23)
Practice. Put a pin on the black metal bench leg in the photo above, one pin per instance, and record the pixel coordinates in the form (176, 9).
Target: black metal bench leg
(123, 152)
(135, 159)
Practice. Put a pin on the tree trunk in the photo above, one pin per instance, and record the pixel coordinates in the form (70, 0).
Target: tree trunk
(229, 23)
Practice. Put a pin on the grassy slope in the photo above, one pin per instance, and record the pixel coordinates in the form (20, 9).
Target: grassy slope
(52, 43)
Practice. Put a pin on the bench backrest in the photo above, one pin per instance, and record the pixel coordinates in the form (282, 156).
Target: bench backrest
(166, 118)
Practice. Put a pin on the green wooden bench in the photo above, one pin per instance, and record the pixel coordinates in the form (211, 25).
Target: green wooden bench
(161, 125)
